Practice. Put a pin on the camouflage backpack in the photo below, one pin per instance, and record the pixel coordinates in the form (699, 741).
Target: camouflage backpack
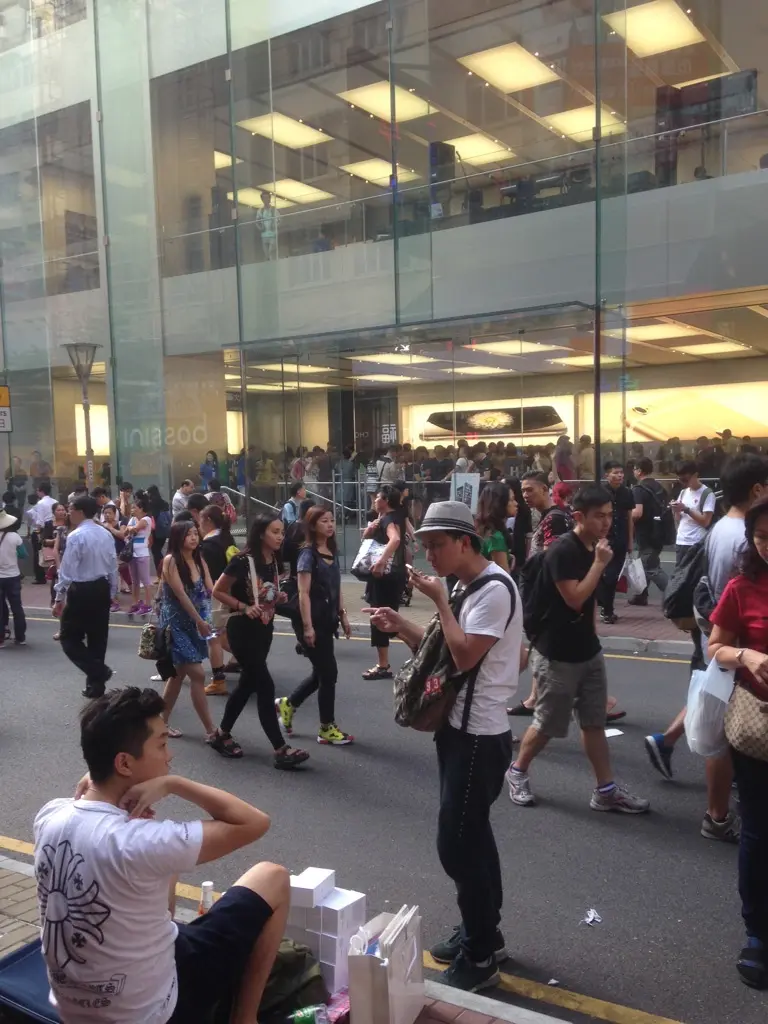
(427, 685)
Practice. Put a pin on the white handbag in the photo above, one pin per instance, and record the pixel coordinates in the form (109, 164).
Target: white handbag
(365, 559)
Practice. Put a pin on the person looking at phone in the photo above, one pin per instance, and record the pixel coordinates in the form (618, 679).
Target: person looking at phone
(693, 510)
(385, 589)
(471, 761)
(571, 667)
(106, 868)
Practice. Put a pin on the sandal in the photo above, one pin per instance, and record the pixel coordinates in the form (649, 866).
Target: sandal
(522, 710)
(290, 757)
(377, 672)
(174, 734)
(225, 745)
(615, 716)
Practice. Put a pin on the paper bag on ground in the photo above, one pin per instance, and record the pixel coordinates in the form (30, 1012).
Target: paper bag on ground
(389, 989)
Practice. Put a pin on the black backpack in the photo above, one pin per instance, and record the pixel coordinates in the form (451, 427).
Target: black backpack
(663, 530)
(536, 593)
(678, 599)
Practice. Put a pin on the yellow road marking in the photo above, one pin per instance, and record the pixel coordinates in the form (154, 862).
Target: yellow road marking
(365, 640)
(599, 1009)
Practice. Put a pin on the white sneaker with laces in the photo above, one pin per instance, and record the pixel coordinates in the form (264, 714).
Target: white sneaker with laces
(520, 788)
(619, 799)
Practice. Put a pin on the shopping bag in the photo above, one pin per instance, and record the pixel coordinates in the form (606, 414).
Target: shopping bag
(709, 692)
(365, 559)
(386, 984)
(636, 581)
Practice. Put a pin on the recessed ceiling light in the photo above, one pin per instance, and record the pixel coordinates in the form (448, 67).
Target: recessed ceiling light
(231, 376)
(377, 171)
(478, 149)
(222, 160)
(711, 348)
(585, 361)
(579, 124)
(289, 188)
(291, 368)
(655, 27)
(654, 332)
(284, 130)
(511, 68)
(385, 378)
(395, 359)
(513, 347)
(252, 197)
(377, 99)
(477, 371)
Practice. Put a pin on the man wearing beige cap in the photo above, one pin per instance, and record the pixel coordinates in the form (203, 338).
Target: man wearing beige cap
(482, 626)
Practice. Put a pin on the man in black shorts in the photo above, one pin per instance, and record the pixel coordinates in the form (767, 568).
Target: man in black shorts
(106, 871)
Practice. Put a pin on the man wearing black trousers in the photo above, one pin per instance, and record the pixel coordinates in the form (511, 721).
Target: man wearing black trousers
(621, 538)
(84, 591)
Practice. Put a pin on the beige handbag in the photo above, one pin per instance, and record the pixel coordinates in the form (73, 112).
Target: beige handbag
(746, 724)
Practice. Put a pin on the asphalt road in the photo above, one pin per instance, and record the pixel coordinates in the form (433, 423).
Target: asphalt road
(671, 926)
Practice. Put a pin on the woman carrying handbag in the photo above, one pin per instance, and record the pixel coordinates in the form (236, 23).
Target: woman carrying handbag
(250, 588)
(739, 641)
(319, 584)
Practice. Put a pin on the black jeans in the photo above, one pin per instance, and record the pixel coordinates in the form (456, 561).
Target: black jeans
(156, 548)
(471, 777)
(250, 641)
(322, 678)
(384, 592)
(752, 780)
(651, 559)
(606, 593)
(37, 543)
(697, 658)
(85, 632)
(10, 591)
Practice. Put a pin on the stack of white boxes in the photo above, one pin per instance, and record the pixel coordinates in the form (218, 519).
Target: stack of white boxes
(325, 919)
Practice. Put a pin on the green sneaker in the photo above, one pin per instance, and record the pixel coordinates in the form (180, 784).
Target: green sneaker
(331, 734)
(285, 712)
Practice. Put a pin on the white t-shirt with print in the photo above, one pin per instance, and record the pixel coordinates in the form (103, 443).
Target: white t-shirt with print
(102, 885)
(9, 559)
(142, 535)
(689, 532)
(485, 613)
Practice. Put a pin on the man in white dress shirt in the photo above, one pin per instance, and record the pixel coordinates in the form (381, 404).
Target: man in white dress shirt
(86, 585)
(40, 520)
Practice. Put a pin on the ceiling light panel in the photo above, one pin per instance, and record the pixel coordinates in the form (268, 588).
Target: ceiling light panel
(292, 368)
(513, 348)
(377, 172)
(222, 160)
(477, 371)
(395, 359)
(479, 150)
(711, 348)
(284, 130)
(655, 332)
(655, 27)
(376, 99)
(579, 124)
(511, 68)
(252, 197)
(385, 378)
(304, 385)
(289, 188)
(585, 361)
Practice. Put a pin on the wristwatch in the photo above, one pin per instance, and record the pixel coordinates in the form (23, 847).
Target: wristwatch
(740, 655)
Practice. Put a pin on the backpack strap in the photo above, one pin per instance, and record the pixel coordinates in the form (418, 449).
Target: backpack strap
(471, 677)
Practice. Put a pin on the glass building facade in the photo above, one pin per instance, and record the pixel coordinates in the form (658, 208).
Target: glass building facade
(337, 225)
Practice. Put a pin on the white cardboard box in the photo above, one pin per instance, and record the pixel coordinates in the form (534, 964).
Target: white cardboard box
(297, 916)
(336, 976)
(311, 887)
(342, 912)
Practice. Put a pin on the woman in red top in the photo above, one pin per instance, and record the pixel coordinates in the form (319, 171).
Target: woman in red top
(739, 641)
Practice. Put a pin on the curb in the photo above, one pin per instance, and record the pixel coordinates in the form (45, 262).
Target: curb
(492, 1008)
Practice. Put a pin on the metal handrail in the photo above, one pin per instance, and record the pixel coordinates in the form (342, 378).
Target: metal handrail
(258, 501)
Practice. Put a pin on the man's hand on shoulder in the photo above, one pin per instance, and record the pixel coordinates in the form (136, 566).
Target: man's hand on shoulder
(141, 798)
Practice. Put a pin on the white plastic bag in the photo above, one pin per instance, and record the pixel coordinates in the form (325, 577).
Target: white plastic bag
(635, 573)
(708, 695)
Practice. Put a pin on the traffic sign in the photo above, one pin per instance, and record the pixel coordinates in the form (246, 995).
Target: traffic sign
(6, 425)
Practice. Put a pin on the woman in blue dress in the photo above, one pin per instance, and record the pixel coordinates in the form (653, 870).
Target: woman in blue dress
(185, 609)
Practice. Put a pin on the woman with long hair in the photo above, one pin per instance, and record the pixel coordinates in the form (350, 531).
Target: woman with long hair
(218, 549)
(250, 587)
(209, 468)
(185, 611)
(520, 524)
(495, 505)
(739, 641)
(320, 605)
(160, 511)
(385, 589)
(140, 527)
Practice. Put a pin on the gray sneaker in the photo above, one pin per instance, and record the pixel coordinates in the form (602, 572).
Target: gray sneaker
(619, 799)
(520, 788)
(728, 831)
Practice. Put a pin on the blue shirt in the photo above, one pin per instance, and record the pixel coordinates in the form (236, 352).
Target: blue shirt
(89, 555)
(290, 513)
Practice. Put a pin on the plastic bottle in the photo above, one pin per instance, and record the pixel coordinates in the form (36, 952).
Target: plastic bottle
(206, 898)
(310, 1015)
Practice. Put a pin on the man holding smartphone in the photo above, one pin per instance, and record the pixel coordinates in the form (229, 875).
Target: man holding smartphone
(106, 872)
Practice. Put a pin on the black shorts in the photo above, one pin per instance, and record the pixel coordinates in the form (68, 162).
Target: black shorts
(212, 952)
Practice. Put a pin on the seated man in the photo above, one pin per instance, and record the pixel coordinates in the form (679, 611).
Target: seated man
(105, 869)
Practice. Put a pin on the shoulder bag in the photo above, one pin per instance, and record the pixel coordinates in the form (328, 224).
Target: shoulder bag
(746, 724)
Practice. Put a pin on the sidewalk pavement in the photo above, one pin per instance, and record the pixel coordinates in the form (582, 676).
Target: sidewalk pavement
(19, 917)
(638, 631)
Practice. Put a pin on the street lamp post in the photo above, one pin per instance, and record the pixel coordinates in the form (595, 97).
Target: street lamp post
(81, 355)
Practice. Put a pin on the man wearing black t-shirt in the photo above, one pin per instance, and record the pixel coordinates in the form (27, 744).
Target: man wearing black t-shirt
(620, 537)
(572, 675)
(650, 503)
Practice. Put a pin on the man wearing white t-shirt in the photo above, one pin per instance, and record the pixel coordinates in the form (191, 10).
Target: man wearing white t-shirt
(693, 511)
(475, 746)
(106, 870)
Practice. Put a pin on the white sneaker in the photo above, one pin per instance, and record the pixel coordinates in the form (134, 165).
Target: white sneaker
(520, 788)
(619, 799)
(155, 679)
